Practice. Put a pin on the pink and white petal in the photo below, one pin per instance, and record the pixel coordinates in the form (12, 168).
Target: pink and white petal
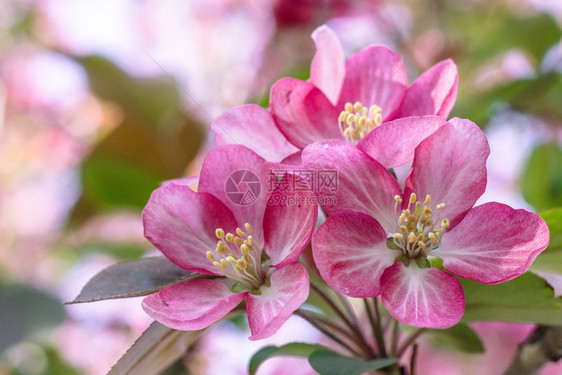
(187, 181)
(422, 297)
(327, 70)
(354, 180)
(181, 224)
(268, 311)
(433, 93)
(302, 112)
(252, 126)
(393, 143)
(290, 218)
(375, 75)
(450, 165)
(192, 305)
(493, 243)
(239, 178)
(294, 159)
(351, 254)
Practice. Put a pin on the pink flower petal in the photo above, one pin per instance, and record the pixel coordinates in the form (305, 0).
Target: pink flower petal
(350, 252)
(191, 305)
(433, 93)
(253, 127)
(355, 180)
(290, 219)
(422, 297)
(187, 181)
(181, 224)
(239, 178)
(393, 143)
(375, 75)
(302, 112)
(493, 243)
(293, 159)
(450, 165)
(268, 311)
(327, 69)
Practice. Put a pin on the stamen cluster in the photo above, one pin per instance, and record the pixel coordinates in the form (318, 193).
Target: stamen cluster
(356, 121)
(237, 258)
(416, 233)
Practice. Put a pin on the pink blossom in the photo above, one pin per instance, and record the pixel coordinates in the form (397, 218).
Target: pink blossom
(346, 100)
(254, 243)
(379, 239)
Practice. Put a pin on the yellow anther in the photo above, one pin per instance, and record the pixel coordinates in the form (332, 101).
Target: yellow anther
(411, 237)
(375, 109)
(250, 241)
(248, 227)
(362, 122)
(421, 245)
(347, 133)
(349, 107)
(242, 264)
(432, 237)
(229, 237)
(402, 218)
(343, 116)
(445, 223)
(398, 199)
(221, 248)
(357, 106)
(240, 232)
(230, 259)
(420, 237)
(223, 263)
(244, 249)
(350, 118)
(219, 232)
(397, 236)
(218, 265)
(238, 241)
(440, 206)
(427, 200)
(413, 198)
(210, 256)
(378, 119)
(404, 228)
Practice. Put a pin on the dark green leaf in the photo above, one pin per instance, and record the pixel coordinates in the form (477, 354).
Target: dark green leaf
(460, 337)
(298, 349)
(526, 298)
(24, 311)
(541, 181)
(156, 349)
(326, 362)
(131, 279)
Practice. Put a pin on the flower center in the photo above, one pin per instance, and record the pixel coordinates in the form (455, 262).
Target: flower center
(356, 121)
(237, 257)
(416, 233)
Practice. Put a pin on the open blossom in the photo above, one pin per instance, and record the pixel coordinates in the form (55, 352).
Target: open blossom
(379, 239)
(252, 243)
(347, 100)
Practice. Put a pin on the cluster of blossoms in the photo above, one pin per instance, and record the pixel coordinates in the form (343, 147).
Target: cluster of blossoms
(379, 236)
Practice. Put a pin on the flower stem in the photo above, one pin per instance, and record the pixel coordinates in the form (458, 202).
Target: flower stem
(413, 359)
(409, 341)
(318, 325)
(376, 326)
(395, 334)
(361, 341)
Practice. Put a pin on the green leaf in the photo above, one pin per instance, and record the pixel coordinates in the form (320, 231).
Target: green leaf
(299, 349)
(460, 337)
(551, 259)
(156, 349)
(25, 311)
(541, 182)
(326, 362)
(132, 279)
(527, 298)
